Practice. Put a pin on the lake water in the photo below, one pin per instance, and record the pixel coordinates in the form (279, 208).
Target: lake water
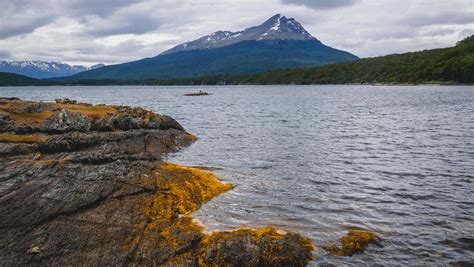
(322, 159)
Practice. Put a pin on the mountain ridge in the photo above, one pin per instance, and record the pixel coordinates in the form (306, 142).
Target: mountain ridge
(278, 43)
(43, 69)
(278, 27)
(243, 57)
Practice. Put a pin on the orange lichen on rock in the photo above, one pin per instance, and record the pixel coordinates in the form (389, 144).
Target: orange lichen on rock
(192, 187)
(31, 117)
(28, 112)
(147, 115)
(356, 241)
(16, 138)
(71, 116)
(193, 137)
(260, 247)
(25, 112)
(178, 191)
(182, 190)
(96, 112)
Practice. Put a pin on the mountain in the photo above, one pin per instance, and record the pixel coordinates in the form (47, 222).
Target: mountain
(453, 65)
(277, 27)
(278, 43)
(12, 79)
(43, 69)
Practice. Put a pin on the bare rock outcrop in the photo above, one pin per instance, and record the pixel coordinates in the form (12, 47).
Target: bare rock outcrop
(86, 185)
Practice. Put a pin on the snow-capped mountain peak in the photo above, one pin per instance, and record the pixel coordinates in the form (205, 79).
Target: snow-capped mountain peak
(277, 27)
(281, 27)
(42, 69)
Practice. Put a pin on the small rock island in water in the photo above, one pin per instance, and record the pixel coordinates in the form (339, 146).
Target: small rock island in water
(200, 93)
(86, 185)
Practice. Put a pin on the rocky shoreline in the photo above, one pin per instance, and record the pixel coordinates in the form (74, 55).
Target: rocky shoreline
(86, 185)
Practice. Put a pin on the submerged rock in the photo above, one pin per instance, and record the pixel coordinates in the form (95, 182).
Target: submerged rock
(356, 241)
(86, 185)
(463, 264)
(261, 247)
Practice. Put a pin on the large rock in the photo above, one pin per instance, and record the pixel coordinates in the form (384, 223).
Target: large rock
(86, 185)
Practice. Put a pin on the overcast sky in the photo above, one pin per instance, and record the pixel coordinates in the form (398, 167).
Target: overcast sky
(114, 31)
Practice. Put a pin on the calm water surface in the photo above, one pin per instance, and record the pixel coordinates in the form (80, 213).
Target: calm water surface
(323, 159)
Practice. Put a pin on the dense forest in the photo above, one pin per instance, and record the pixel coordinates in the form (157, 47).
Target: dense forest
(11, 79)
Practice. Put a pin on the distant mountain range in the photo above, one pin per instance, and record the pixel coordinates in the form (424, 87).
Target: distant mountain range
(278, 43)
(43, 69)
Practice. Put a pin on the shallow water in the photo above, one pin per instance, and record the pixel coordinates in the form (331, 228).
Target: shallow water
(323, 159)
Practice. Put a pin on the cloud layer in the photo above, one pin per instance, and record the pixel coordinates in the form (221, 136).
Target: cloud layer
(321, 4)
(114, 31)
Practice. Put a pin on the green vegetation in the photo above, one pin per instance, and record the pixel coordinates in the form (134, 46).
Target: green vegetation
(11, 79)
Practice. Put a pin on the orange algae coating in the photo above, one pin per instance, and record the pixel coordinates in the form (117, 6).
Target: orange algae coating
(16, 138)
(181, 190)
(96, 112)
(193, 137)
(32, 117)
(356, 241)
(255, 247)
(192, 187)
(178, 191)
(19, 112)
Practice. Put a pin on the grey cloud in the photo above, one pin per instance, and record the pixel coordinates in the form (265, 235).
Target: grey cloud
(20, 17)
(21, 26)
(321, 4)
(24, 16)
(135, 24)
(441, 18)
(102, 8)
(125, 51)
(440, 32)
(5, 55)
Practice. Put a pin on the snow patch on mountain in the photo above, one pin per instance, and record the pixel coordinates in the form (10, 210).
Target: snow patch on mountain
(277, 24)
(277, 27)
